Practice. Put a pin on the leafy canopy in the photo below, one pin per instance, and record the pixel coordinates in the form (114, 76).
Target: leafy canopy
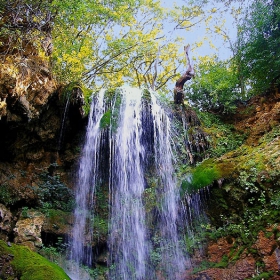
(215, 88)
(258, 44)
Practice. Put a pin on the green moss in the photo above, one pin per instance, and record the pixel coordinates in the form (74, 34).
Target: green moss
(201, 176)
(110, 118)
(29, 265)
(106, 120)
(222, 137)
(150, 198)
(58, 219)
(100, 227)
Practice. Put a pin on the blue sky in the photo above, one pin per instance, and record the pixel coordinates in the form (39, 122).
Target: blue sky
(199, 33)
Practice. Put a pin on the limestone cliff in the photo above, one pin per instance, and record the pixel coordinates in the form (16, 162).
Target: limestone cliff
(41, 126)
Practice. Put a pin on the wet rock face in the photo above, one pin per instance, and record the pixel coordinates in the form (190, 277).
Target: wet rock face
(216, 250)
(258, 116)
(32, 108)
(28, 229)
(6, 220)
(195, 142)
(268, 249)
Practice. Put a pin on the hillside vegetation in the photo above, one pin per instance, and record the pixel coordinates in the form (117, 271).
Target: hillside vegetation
(54, 54)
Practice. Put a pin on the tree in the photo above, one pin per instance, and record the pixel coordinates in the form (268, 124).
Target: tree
(258, 45)
(215, 87)
(82, 30)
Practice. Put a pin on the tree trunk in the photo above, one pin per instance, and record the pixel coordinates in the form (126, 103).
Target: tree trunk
(178, 90)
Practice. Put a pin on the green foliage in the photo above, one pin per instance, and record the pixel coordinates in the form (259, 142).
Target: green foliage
(155, 256)
(258, 44)
(106, 120)
(275, 199)
(260, 209)
(111, 116)
(249, 202)
(271, 135)
(150, 195)
(204, 265)
(6, 195)
(55, 253)
(23, 24)
(214, 88)
(31, 266)
(88, 47)
(52, 193)
(99, 272)
(222, 137)
(24, 212)
(100, 226)
(202, 175)
(223, 263)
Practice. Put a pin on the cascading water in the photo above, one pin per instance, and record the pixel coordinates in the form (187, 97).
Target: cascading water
(81, 251)
(128, 238)
(173, 261)
(195, 217)
(142, 244)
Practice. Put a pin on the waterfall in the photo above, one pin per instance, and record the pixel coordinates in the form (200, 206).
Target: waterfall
(173, 261)
(81, 251)
(128, 238)
(195, 218)
(142, 244)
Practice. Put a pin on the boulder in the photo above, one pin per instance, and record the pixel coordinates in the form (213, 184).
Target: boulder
(28, 229)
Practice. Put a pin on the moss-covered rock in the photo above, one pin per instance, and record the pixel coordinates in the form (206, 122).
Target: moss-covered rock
(27, 265)
(58, 220)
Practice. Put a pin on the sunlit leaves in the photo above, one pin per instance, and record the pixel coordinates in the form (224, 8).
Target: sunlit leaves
(215, 87)
(258, 44)
(81, 31)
